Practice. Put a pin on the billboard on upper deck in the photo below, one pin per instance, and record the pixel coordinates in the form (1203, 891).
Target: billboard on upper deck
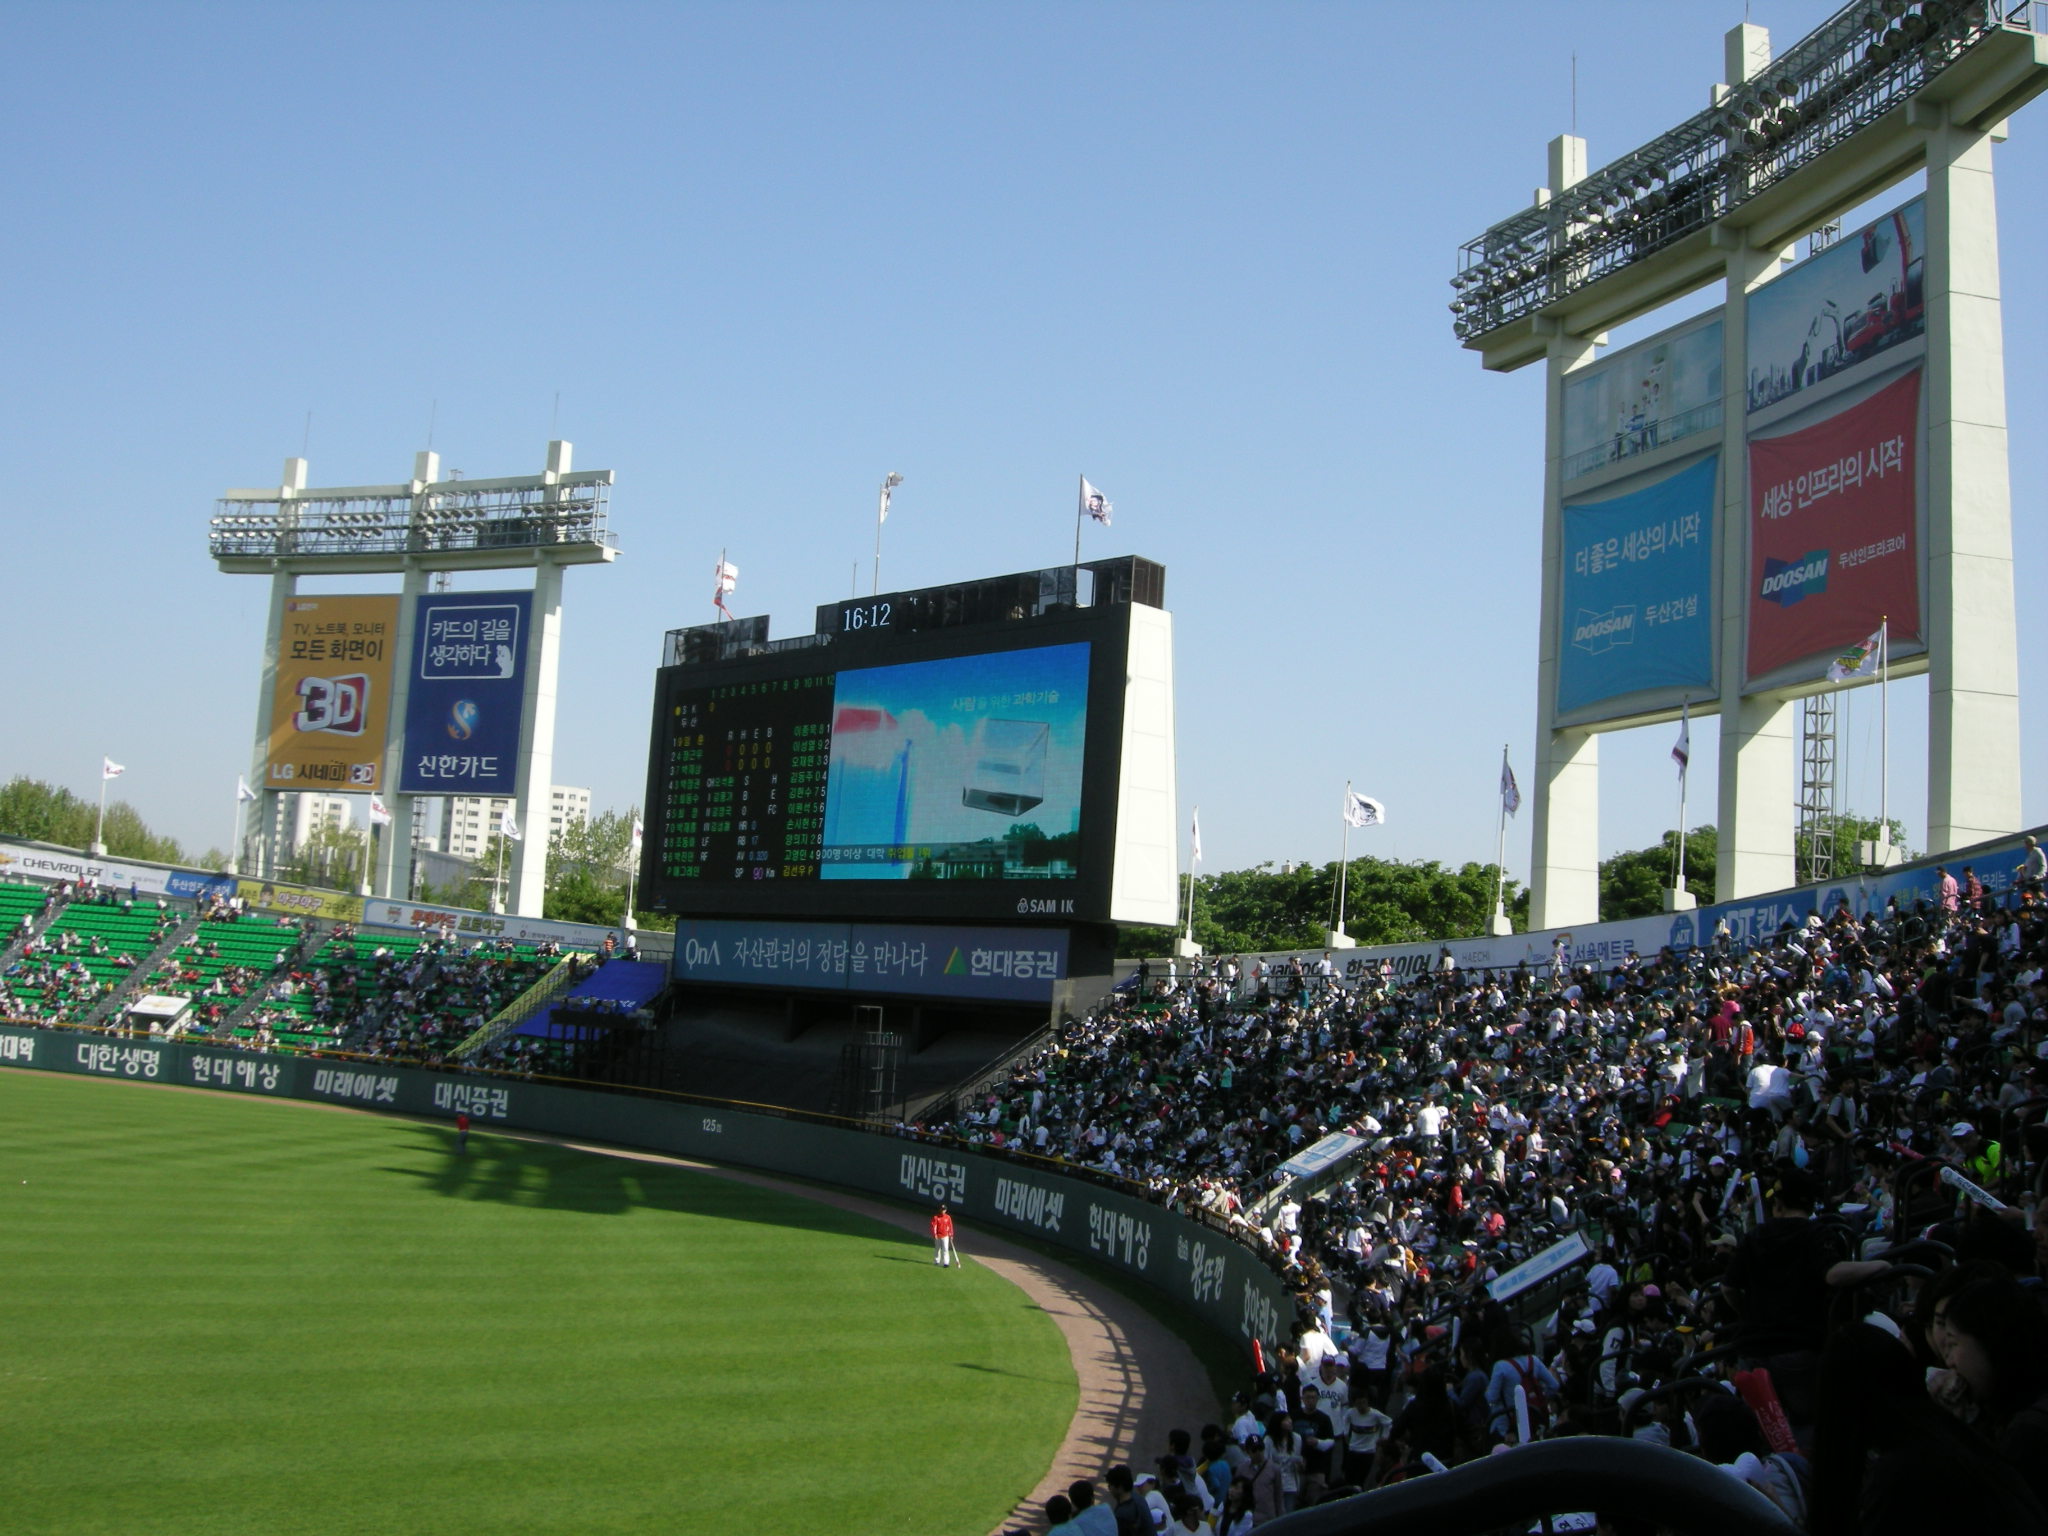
(466, 694)
(1636, 596)
(331, 705)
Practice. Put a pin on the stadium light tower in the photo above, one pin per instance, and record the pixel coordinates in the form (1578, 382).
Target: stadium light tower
(340, 673)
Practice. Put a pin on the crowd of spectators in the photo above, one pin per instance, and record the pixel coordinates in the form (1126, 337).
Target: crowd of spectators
(1745, 1142)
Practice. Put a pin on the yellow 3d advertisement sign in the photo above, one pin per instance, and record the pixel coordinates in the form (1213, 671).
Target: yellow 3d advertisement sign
(332, 704)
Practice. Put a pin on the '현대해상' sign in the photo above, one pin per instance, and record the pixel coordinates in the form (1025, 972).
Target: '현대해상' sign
(467, 693)
(1637, 589)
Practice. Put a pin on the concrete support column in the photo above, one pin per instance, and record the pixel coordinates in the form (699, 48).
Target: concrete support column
(537, 727)
(393, 878)
(1564, 855)
(1973, 714)
(529, 857)
(1755, 818)
(262, 814)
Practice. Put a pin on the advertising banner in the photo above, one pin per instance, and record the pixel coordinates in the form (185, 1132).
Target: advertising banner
(1839, 308)
(300, 901)
(331, 709)
(1833, 530)
(1637, 605)
(1651, 395)
(1221, 1280)
(1013, 964)
(466, 695)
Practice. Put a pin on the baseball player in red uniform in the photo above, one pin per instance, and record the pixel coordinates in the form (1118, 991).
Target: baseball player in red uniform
(942, 1238)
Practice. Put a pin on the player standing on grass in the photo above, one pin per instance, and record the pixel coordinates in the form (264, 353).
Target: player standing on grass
(942, 1237)
(462, 1131)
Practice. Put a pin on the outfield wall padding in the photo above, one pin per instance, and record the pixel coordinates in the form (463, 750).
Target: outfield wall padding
(1217, 1278)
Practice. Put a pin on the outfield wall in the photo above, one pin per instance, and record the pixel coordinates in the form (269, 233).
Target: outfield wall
(1219, 1279)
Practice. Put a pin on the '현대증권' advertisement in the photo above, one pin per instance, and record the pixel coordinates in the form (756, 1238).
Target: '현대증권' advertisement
(962, 769)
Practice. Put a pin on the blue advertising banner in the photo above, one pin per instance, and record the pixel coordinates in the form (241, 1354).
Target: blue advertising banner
(462, 714)
(1011, 964)
(1637, 609)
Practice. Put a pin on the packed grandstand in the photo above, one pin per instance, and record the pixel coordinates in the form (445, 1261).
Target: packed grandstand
(1788, 1183)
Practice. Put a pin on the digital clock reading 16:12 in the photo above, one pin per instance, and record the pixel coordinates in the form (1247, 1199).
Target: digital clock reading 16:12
(866, 615)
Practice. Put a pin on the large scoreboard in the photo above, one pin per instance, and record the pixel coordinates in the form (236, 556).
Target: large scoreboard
(995, 750)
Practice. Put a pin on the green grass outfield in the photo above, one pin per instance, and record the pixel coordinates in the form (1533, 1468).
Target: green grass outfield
(223, 1314)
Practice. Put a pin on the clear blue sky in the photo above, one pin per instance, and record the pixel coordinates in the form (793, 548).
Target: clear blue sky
(766, 253)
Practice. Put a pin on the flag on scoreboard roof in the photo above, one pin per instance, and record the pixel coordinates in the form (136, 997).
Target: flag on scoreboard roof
(380, 813)
(243, 793)
(1094, 503)
(109, 769)
(1681, 749)
(1860, 660)
(1363, 810)
(510, 827)
(1510, 792)
(728, 576)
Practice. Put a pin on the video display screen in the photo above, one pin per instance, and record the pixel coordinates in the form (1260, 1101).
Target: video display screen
(962, 769)
(947, 785)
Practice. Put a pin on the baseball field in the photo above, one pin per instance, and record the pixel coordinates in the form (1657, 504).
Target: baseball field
(230, 1315)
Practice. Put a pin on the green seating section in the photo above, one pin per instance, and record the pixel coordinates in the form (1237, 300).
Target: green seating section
(65, 987)
(241, 957)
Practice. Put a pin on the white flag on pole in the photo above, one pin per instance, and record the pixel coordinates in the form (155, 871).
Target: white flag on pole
(1860, 660)
(1195, 844)
(243, 793)
(1094, 503)
(1510, 792)
(728, 576)
(109, 769)
(639, 831)
(510, 827)
(380, 813)
(1363, 810)
(1681, 749)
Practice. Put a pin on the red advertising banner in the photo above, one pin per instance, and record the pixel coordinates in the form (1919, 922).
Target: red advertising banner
(1833, 530)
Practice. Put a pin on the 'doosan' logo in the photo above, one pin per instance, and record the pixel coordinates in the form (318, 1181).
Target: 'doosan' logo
(1787, 581)
(1597, 632)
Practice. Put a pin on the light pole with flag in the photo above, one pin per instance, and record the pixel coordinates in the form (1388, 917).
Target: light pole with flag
(1679, 899)
(508, 830)
(244, 795)
(1187, 943)
(1359, 811)
(889, 484)
(1874, 656)
(1510, 802)
(1093, 504)
(109, 769)
(633, 842)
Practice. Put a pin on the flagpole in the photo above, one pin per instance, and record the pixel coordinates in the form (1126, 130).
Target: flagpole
(235, 838)
(632, 870)
(498, 885)
(1684, 772)
(1194, 852)
(1500, 852)
(1344, 860)
(1080, 505)
(99, 826)
(1884, 689)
